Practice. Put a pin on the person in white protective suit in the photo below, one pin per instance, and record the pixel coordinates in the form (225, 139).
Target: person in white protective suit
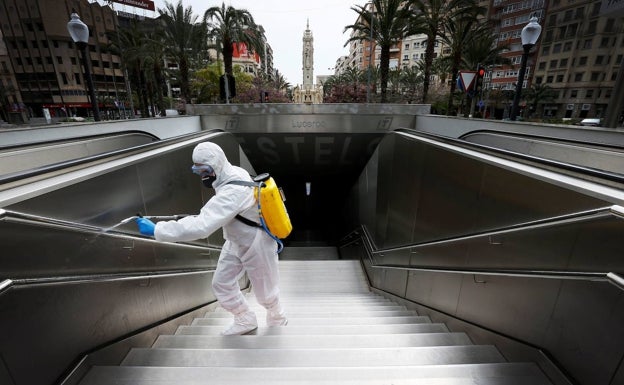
(246, 248)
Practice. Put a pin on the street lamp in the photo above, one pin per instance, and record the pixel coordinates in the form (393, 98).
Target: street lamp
(529, 35)
(80, 35)
(370, 56)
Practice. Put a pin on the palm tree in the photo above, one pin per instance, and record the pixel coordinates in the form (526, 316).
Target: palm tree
(460, 32)
(388, 23)
(429, 18)
(130, 45)
(227, 26)
(183, 38)
(279, 81)
(411, 78)
(441, 67)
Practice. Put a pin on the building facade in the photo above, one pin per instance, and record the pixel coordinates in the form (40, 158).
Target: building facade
(47, 65)
(579, 57)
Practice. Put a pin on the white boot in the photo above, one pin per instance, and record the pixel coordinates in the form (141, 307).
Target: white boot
(244, 323)
(275, 316)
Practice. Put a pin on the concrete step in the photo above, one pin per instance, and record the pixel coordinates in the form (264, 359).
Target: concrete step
(380, 357)
(475, 374)
(286, 341)
(314, 330)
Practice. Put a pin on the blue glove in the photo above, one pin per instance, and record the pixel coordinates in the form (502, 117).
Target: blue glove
(146, 227)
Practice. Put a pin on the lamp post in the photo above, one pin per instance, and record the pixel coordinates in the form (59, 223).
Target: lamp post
(529, 35)
(370, 56)
(79, 33)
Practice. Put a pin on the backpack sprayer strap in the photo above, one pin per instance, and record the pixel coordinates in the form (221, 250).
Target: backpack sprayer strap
(259, 183)
(246, 221)
(241, 218)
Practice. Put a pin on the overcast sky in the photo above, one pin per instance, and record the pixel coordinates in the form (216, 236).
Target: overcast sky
(284, 22)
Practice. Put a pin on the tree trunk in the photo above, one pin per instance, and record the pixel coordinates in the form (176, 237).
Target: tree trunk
(184, 79)
(384, 67)
(228, 53)
(429, 51)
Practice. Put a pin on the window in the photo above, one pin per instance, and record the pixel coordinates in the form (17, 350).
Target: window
(604, 42)
(583, 61)
(578, 77)
(567, 46)
(563, 63)
(549, 79)
(589, 93)
(594, 76)
(587, 44)
(557, 48)
(573, 93)
(541, 66)
(552, 20)
(553, 64)
(599, 59)
(407, 46)
(545, 50)
(559, 78)
(609, 25)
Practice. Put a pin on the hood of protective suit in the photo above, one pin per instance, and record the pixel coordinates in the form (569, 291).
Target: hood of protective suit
(212, 155)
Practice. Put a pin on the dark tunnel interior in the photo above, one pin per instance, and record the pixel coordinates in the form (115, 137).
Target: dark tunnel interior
(316, 174)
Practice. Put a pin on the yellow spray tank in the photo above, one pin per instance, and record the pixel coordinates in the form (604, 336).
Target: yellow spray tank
(272, 207)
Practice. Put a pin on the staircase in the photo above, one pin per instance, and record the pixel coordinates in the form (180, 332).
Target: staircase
(338, 333)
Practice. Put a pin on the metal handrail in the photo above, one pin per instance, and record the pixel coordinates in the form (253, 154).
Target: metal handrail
(5, 285)
(561, 220)
(74, 226)
(8, 178)
(8, 283)
(616, 280)
(612, 177)
(611, 277)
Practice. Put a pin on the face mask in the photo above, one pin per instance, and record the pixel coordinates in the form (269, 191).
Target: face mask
(208, 180)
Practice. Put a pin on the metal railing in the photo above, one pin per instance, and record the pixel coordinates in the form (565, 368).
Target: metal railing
(362, 234)
(54, 223)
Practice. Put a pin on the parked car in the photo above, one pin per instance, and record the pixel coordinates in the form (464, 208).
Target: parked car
(593, 122)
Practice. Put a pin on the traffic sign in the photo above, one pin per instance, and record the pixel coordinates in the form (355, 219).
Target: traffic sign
(467, 79)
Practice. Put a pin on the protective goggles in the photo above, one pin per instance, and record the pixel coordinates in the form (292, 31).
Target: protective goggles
(203, 169)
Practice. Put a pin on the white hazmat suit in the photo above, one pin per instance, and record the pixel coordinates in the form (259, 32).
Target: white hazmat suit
(246, 248)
